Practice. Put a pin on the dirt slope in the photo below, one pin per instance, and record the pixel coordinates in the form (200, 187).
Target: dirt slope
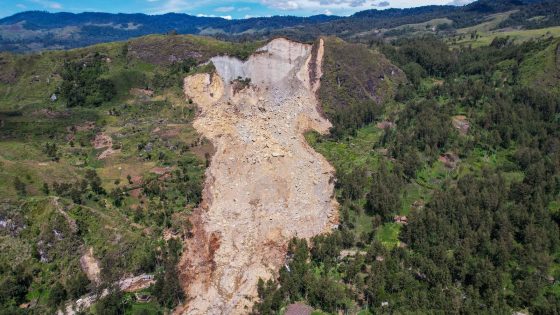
(265, 185)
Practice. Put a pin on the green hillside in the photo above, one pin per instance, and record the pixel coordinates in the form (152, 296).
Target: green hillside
(111, 164)
(449, 197)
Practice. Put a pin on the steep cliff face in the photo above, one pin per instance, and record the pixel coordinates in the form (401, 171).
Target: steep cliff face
(265, 185)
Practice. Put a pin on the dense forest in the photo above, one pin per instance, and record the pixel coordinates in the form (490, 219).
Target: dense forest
(484, 242)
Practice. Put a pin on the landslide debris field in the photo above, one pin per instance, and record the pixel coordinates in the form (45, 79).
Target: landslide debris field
(265, 184)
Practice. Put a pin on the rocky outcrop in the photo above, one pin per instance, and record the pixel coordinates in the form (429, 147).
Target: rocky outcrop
(264, 185)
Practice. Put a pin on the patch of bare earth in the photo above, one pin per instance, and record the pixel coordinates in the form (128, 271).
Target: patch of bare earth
(461, 123)
(90, 266)
(264, 185)
(101, 141)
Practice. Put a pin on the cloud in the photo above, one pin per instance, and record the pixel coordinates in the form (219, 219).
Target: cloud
(323, 4)
(48, 4)
(225, 17)
(338, 7)
(224, 9)
(173, 6)
(460, 2)
(21, 6)
(167, 6)
(346, 3)
(282, 4)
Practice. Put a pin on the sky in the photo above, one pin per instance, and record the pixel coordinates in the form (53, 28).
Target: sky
(223, 8)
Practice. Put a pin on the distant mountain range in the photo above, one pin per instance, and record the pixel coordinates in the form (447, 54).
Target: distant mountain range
(36, 31)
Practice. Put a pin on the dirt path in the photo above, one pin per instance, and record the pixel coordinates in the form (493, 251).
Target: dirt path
(130, 284)
(90, 266)
(265, 185)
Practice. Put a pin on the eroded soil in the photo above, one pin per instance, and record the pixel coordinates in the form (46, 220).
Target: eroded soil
(264, 185)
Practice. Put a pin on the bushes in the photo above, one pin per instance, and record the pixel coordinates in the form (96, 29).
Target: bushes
(112, 304)
(57, 295)
(51, 150)
(77, 285)
(13, 284)
(20, 187)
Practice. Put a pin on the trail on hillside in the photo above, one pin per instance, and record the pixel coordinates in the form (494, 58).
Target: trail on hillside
(264, 185)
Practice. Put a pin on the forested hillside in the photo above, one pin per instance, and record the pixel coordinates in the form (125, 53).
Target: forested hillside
(449, 198)
(37, 31)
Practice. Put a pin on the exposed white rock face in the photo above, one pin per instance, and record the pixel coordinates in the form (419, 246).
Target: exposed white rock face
(265, 185)
(270, 65)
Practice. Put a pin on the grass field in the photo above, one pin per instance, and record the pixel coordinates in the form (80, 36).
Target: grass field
(485, 38)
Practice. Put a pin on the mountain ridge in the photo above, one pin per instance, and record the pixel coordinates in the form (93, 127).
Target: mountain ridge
(39, 30)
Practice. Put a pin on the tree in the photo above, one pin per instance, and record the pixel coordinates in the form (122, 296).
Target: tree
(167, 289)
(414, 72)
(77, 285)
(94, 181)
(20, 187)
(51, 150)
(46, 189)
(57, 294)
(112, 304)
(383, 198)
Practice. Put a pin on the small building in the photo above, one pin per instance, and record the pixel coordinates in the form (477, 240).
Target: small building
(461, 123)
(385, 125)
(401, 219)
(449, 159)
(54, 98)
(143, 297)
